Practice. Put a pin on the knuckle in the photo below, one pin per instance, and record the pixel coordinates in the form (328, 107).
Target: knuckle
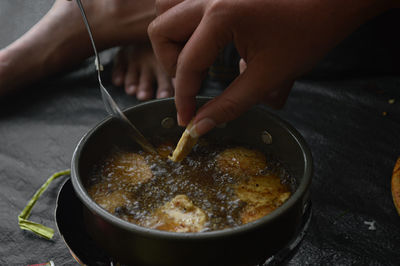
(152, 29)
(228, 109)
(222, 13)
(275, 99)
(161, 6)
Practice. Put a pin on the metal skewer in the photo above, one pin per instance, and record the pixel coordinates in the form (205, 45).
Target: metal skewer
(111, 107)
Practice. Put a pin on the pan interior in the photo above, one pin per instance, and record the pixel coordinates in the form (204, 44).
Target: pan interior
(150, 118)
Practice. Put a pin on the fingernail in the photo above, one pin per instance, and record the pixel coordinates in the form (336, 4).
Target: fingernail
(202, 127)
(179, 119)
(131, 89)
(142, 95)
(163, 94)
(118, 80)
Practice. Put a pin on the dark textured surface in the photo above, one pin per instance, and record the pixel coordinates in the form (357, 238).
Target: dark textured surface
(340, 115)
(69, 220)
(354, 148)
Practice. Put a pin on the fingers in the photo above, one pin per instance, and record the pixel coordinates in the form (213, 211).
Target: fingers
(166, 39)
(188, 52)
(235, 99)
(277, 98)
(164, 5)
(209, 38)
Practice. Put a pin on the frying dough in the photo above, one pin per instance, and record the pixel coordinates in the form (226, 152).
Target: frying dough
(179, 215)
(241, 162)
(125, 169)
(184, 146)
(262, 194)
(107, 199)
(129, 169)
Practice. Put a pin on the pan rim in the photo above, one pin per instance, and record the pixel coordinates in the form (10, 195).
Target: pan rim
(301, 190)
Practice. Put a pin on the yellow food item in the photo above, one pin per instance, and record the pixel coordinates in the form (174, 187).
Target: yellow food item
(396, 185)
(129, 169)
(262, 194)
(227, 187)
(178, 215)
(241, 162)
(125, 169)
(184, 146)
(165, 149)
(108, 200)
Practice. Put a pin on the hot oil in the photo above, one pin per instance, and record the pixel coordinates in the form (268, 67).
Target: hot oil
(197, 176)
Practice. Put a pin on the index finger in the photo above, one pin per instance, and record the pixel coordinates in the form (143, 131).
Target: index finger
(169, 31)
(199, 53)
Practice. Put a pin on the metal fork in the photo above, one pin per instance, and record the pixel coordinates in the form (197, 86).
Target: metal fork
(111, 107)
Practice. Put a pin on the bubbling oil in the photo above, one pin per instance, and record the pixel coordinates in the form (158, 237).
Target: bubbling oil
(133, 184)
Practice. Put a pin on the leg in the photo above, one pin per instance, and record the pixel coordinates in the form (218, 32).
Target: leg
(59, 40)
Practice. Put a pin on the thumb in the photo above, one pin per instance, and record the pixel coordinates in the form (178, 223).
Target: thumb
(248, 89)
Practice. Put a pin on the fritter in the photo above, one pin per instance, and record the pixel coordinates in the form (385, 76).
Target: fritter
(108, 199)
(241, 162)
(262, 194)
(178, 215)
(127, 168)
(120, 172)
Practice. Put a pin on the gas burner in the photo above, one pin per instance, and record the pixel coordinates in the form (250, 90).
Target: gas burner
(69, 221)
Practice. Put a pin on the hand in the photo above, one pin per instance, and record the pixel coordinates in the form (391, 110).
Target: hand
(278, 41)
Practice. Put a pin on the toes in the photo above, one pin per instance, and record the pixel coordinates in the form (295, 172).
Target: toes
(131, 79)
(119, 68)
(165, 88)
(137, 70)
(145, 87)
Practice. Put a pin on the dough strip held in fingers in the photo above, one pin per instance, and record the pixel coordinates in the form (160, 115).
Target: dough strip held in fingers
(184, 145)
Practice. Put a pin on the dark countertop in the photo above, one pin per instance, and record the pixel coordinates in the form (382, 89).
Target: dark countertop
(354, 147)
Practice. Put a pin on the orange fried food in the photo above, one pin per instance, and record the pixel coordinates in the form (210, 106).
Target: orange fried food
(241, 162)
(178, 215)
(396, 185)
(127, 169)
(120, 172)
(107, 199)
(262, 194)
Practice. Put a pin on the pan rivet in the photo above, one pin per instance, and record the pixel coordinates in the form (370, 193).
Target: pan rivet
(168, 122)
(266, 137)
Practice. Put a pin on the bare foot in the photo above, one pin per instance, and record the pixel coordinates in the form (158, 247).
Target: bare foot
(59, 40)
(139, 72)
